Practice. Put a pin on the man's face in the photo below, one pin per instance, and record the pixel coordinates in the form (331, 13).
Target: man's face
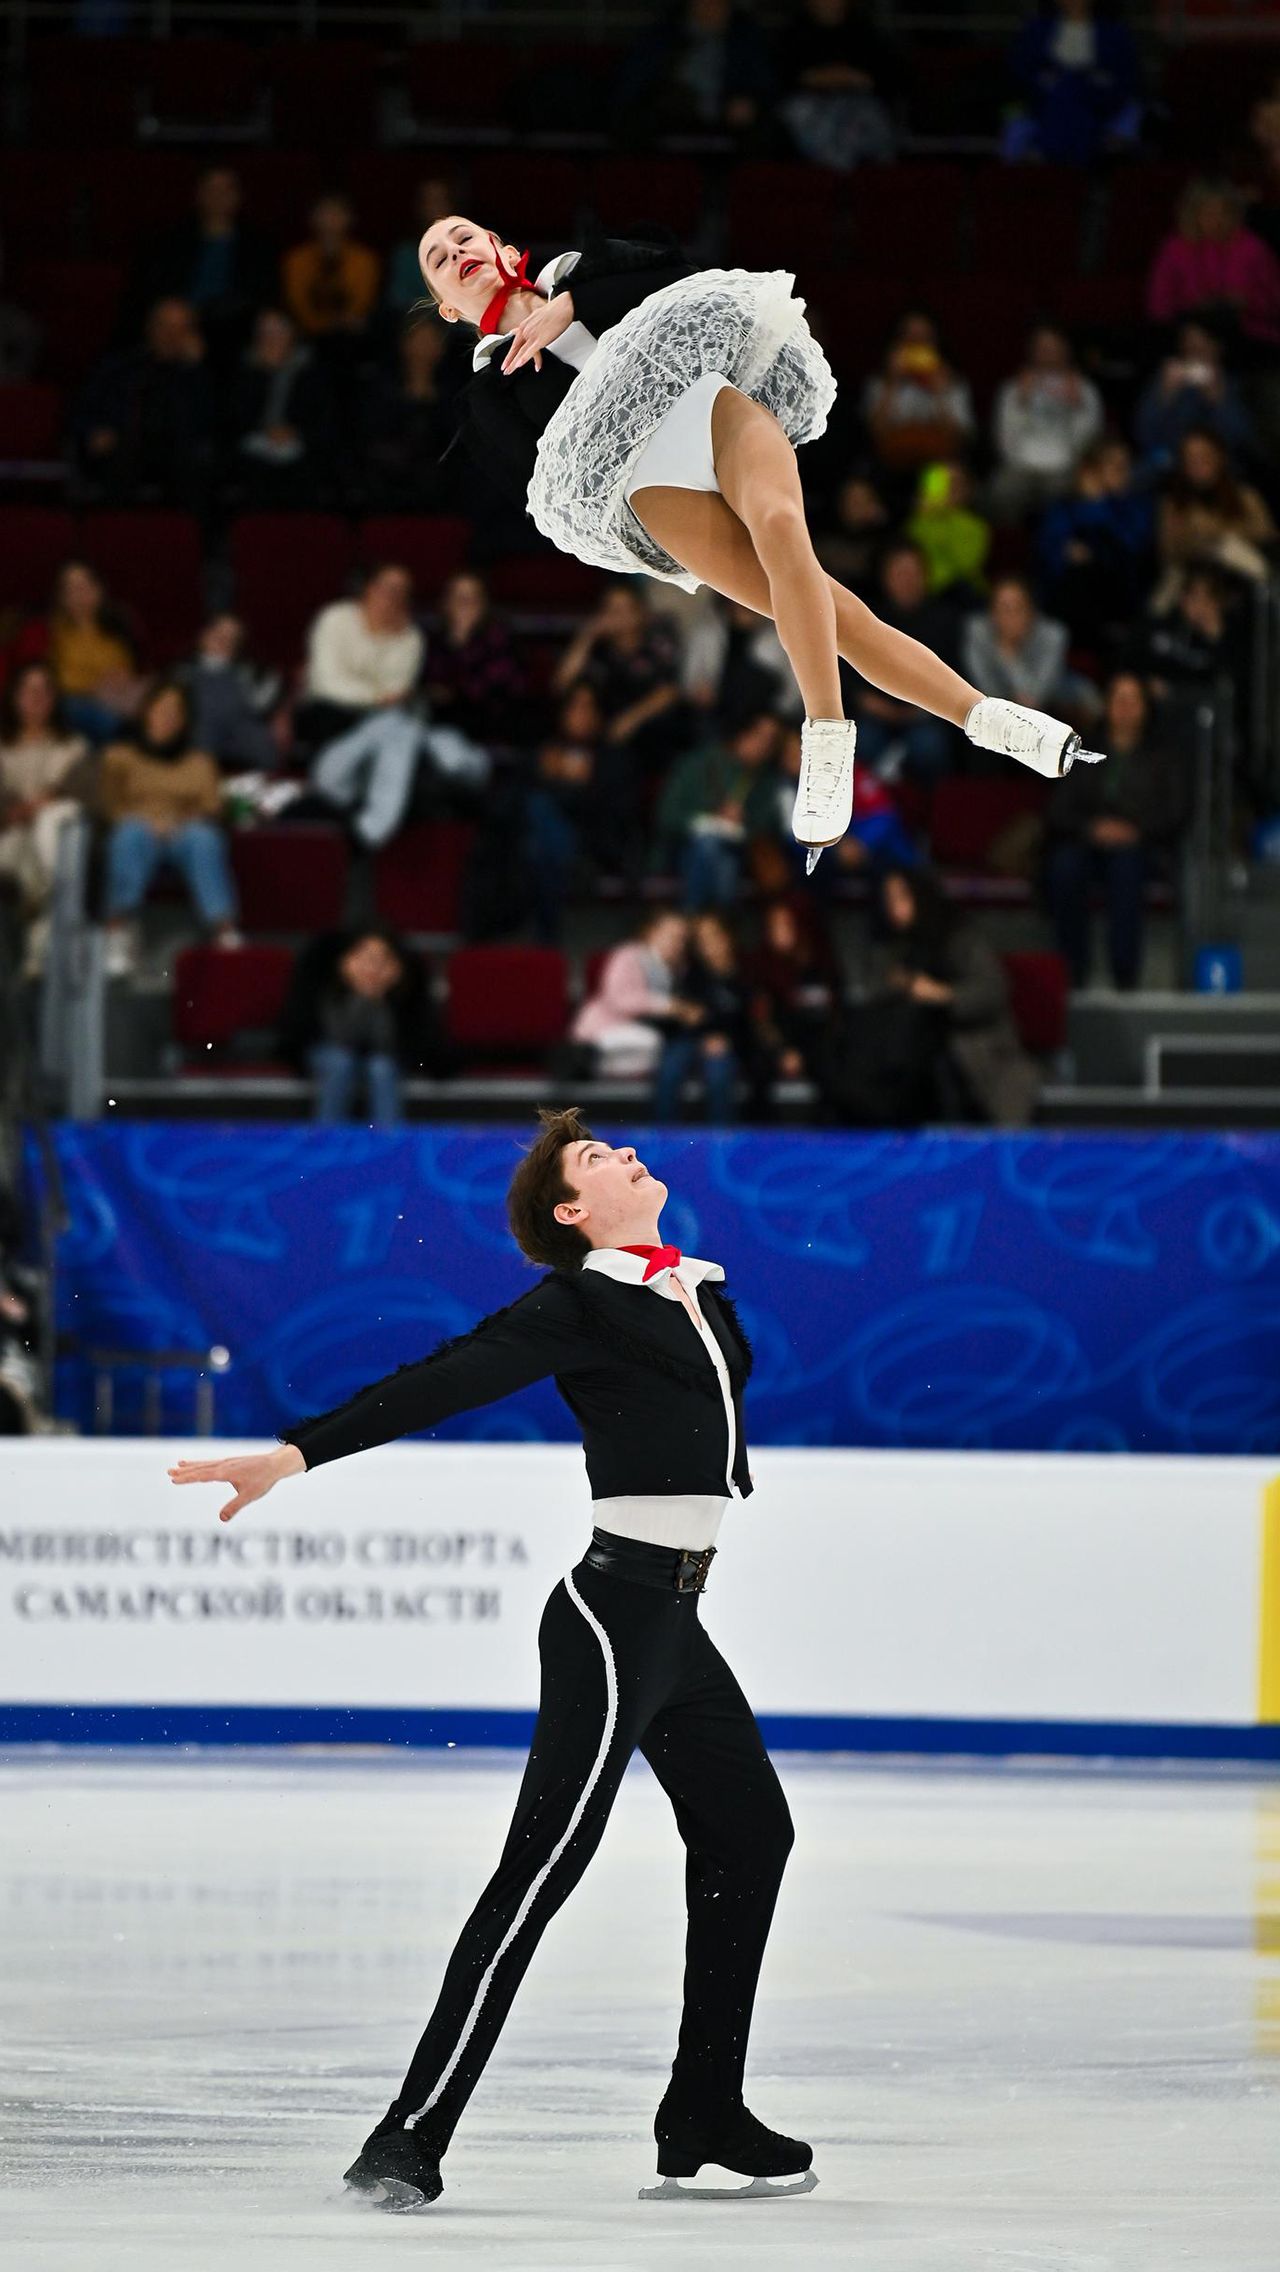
(616, 1201)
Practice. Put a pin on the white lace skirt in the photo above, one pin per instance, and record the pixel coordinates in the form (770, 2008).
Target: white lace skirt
(743, 323)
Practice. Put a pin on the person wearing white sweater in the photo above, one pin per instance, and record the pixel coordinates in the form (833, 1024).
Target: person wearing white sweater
(363, 660)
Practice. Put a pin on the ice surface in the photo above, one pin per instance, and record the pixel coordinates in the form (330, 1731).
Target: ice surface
(1030, 2021)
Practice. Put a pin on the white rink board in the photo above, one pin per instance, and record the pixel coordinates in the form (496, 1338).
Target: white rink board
(904, 1584)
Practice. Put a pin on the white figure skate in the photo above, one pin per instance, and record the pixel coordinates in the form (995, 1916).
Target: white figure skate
(1045, 744)
(824, 795)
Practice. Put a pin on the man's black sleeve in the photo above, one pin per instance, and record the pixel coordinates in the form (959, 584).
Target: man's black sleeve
(615, 274)
(532, 1338)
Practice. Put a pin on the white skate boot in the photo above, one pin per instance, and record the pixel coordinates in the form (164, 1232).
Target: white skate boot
(1041, 742)
(824, 796)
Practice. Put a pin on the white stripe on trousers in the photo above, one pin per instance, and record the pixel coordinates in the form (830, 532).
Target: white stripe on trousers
(610, 1722)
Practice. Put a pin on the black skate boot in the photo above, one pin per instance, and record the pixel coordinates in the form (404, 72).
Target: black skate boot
(735, 2141)
(395, 2169)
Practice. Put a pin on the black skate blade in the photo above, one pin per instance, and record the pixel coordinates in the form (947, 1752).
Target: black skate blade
(756, 2189)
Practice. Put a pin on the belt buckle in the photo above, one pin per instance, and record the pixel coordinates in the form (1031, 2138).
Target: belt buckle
(692, 1568)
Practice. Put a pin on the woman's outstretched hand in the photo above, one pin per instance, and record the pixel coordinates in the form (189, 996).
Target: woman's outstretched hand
(250, 1474)
(537, 331)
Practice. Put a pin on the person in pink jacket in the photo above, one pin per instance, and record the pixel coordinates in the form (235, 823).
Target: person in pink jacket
(637, 986)
(1213, 264)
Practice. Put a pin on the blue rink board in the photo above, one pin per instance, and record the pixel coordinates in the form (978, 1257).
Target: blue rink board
(176, 1725)
(953, 1290)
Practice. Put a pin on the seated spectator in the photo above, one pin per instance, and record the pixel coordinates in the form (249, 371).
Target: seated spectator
(704, 65)
(474, 678)
(734, 661)
(163, 797)
(232, 702)
(581, 803)
(1014, 651)
(1046, 415)
(331, 280)
(406, 427)
(364, 659)
(281, 421)
(91, 653)
(720, 1041)
(1095, 548)
(954, 540)
(842, 77)
(935, 1038)
(1208, 516)
(1191, 391)
(632, 658)
(918, 408)
(358, 1016)
(892, 736)
(1189, 651)
(850, 548)
(1213, 267)
(45, 780)
(1076, 70)
(1113, 829)
(716, 800)
(636, 999)
(143, 430)
(433, 199)
(795, 985)
(214, 261)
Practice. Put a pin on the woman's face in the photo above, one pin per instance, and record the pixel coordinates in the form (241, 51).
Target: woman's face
(165, 716)
(713, 942)
(667, 939)
(1201, 461)
(781, 930)
(1011, 613)
(464, 603)
(1126, 707)
(861, 506)
(34, 699)
(370, 967)
(458, 263)
(79, 592)
(899, 903)
(622, 617)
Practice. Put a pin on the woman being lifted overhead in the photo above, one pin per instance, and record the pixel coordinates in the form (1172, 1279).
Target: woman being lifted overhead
(647, 413)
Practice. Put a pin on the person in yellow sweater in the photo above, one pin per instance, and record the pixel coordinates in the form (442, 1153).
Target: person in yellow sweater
(331, 281)
(163, 798)
(91, 655)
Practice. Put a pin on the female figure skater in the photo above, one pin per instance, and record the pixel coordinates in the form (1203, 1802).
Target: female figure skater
(648, 413)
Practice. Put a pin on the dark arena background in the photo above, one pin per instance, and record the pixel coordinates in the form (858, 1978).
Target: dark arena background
(344, 822)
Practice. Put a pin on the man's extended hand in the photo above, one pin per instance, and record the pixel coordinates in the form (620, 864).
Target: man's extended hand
(251, 1474)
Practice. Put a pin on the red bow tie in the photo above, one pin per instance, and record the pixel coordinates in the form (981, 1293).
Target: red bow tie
(660, 1258)
(521, 281)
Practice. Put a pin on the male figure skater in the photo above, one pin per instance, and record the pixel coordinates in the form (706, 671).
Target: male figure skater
(648, 1354)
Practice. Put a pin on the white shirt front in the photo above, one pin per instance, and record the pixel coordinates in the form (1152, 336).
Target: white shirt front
(575, 345)
(688, 1518)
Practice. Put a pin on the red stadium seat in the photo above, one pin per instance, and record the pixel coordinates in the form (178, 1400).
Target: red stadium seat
(537, 579)
(523, 200)
(381, 185)
(784, 212)
(324, 92)
(1039, 987)
(418, 875)
(456, 83)
(279, 189)
(1027, 221)
(30, 422)
(139, 195)
(968, 814)
(152, 561)
(1141, 201)
(287, 566)
(430, 545)
(290, 877)
(624, 192)
(904, 219)
(34, 541)
(43, 196)
(220, 992)
(77, 302)
(211, 83)
(507, 1000)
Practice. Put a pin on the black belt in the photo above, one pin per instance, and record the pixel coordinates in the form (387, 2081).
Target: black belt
(683, 1568)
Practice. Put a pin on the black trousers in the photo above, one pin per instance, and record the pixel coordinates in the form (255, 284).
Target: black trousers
(624, 1664)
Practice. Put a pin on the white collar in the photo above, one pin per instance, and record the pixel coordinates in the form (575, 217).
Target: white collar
(629, 1269)
(545, 282)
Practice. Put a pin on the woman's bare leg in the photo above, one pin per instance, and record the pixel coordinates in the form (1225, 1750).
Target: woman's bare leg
(701, 531)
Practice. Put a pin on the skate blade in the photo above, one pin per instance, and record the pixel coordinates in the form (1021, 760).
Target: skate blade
(756, 2189)
(812, 857)
(394, 2194)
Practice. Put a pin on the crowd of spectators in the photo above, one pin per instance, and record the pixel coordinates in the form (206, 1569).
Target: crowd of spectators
(1086, 542)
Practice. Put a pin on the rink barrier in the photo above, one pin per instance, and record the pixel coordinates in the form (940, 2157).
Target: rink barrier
(1269, 1608)
(198, 1727)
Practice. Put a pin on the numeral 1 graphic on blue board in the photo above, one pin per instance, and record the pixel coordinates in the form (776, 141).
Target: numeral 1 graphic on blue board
(370, 1226)
(949, 1234)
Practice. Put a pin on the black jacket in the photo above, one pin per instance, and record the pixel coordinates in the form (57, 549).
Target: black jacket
(501, 418)
(643, 1391)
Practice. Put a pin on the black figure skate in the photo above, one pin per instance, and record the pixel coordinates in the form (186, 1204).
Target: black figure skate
(735, 2141)
(395, 2169)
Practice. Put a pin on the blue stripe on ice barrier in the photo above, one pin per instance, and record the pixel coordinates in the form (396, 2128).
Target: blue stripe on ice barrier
(125, 1724)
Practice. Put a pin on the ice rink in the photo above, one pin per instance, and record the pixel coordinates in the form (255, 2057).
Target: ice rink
(1029, 2020)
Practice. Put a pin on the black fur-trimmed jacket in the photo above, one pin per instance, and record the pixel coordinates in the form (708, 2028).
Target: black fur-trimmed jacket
(633, 1372)
(501, 418)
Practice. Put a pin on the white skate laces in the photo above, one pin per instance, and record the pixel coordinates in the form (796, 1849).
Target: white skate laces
(824, 795)
(1045, 744)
